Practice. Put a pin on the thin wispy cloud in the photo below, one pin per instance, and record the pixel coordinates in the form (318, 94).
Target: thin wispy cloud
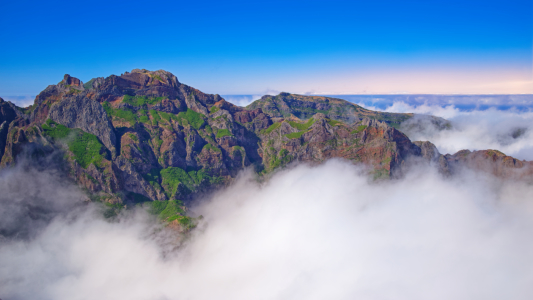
(20, 101)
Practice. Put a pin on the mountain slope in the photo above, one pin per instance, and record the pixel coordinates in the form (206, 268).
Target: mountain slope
(145, 136)
(287, 105)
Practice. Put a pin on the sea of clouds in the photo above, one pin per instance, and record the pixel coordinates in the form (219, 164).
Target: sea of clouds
(310, 232)
(503, 123)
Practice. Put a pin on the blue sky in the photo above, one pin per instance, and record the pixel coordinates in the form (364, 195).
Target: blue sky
(253, 47)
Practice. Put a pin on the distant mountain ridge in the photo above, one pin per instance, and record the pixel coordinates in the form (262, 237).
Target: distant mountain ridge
(145, 136)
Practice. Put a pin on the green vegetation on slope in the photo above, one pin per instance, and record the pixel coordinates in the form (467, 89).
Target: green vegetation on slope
(170, 211)
(302, 126)
(281, 159)
(191, 117)
(125, 115)
(222, 133)
(86, 147)
(272, 128)
(208, 146)
(141, 100)
(295, 135)
(333, 122)
(359, 129)
(88, 84)
(172, 177)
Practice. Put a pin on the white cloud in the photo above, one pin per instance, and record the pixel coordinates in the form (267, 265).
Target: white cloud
(321, 232)
(241, 100)
(509, 131)
(21, 101)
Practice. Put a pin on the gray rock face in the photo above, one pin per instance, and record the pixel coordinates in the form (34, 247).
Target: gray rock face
(87, 115)
(4, 127)
(428, 150)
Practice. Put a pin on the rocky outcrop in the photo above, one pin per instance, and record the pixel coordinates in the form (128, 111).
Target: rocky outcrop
(71, 81)
(87, 115)
(493, 162)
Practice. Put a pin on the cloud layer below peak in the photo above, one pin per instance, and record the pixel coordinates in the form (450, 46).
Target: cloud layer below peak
(310, 232)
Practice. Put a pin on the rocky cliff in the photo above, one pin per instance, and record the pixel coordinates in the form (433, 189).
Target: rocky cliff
(145, 136)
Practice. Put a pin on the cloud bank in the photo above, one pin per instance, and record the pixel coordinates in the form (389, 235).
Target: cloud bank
(322, 232)
(500, 122)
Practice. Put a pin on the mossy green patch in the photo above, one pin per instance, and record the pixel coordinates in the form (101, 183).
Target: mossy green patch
(125, 115)
(141, 100)
(208, 129)
(214, 109)
(191, 117)
(172, 177)
(302, 126)
(173, 207)
(281, 159)
(223, 132)
(133, 137)
(272, 128)
(168, 116)
(334, 122)
(86, 147)
(208, 146)
(155, 117)
(359, 129)
(295, 135)
(170, 211)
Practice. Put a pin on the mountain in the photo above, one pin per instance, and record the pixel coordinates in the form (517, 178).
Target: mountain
(145, 136)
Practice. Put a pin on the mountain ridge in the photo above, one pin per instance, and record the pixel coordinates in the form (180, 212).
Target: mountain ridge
(144, 136)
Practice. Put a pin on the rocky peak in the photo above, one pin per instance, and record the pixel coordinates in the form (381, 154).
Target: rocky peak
(71, 81)
(374, 123)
